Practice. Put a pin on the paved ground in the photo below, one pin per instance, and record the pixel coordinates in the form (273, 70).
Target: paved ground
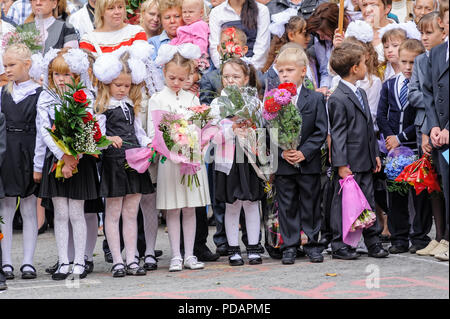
(398, 276)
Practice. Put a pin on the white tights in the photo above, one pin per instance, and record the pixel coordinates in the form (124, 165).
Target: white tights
(150, 215)
(30, 228)
(173, 228)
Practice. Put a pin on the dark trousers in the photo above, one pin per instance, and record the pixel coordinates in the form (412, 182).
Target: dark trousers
(399, 217)
(298, 199)
(371, 235)
(327, 192)
(201, 233)
(443, 170)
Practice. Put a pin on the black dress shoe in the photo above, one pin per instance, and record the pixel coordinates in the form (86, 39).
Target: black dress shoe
(274, 253)
(254, 250)
(158, 253)
(397, 249)
(377, 251)
(315, 257)
(43, 228)
(150, 266)
(3, 285)
(52, 269)
(385, 238)
(9, 274)
(117, 273)
(414, 248)
(232, 251)
(60, 275)
(324, 242)
(206, 255)
(136, 271)
(83, 275)
(222, 250)
(345, 253)
(108, 257)
(300, 252)
(28, 274)
(289, 255)
(89, 265)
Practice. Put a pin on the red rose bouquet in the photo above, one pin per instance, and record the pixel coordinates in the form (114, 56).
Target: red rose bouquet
(75, 131)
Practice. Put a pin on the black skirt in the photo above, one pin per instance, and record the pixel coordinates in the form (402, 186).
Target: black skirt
(83, 185)
(241, 183)
(118, 181)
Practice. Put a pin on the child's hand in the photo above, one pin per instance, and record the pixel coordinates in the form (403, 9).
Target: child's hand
(443, 137)
(378, 168)
(116, 141)
(289, 156)
(344, 171)
(338, 38)
(426, 146)
(37, 177)
(392, 142)
(67, 171)
(70, 161)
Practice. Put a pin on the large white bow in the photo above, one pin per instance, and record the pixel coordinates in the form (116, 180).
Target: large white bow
(409, 27)
(280, 19)
(361, 30)
(186, 50)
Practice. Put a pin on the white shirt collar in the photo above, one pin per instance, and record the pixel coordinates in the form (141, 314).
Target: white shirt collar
(350, 85)
(22, 90)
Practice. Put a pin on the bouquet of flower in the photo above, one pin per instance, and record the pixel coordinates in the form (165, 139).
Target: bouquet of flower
(201, 116)
(421, 175)
(281, 114)
(203, 63)
(229, 48)
(396, 160)
(75, 131)
(26, 34)
(365, 220)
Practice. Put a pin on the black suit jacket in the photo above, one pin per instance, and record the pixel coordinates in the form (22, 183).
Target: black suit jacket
(313, 134)
(353, 139)
(435, 88)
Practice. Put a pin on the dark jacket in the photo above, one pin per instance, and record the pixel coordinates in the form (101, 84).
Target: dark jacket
(306, 9)
(353, 139)
(313, 134)
(435, 88)
(2, 148)
(392, 119)
(415, 94)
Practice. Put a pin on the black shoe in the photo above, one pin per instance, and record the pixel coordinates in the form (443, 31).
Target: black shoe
(300, 252)
(254, 250)
(345, 253)
(158, 253)
(324, 242)
(233, 250)
(118, 272)
(59, 275)
(397, 249)
(222, 250)
(274, 253)
(9, 275)
(89, 265)
(414, 248)
(28, 274)
(385, 239)
(289, 255)
(136, 271)
(79, 276)
(315, 257)
(52, 269)
(206, 255)
(108, 257)
(43, 228)
(3, 285)
(377, 251)
(150, 266)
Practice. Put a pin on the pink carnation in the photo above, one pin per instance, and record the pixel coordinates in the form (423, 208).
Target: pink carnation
(268, 116)
(199, 108)
(282, 96)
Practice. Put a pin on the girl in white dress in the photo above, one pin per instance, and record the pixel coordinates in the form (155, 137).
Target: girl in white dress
(172, 195)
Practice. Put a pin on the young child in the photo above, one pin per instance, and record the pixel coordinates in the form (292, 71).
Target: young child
(19, 173)
(395, 120)
(238, 185)
(391, 40)
(298, 189)
(172, 195)
(117, 108)
(69, 194)
(432, 35)
(354, 146)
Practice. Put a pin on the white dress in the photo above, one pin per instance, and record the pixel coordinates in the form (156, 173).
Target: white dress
(171, 194)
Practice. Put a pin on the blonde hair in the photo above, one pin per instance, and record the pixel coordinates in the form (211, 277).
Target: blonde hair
(59, 65)
(179, 60)
(145, 6)
(104, 96)
(21, 52)
(100, 8)
(292, 56)
(169, 4)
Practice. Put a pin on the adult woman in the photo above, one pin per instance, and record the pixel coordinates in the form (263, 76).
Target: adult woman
(170, 12)
(251, 17)
(56, 33)
(150, 18)
(5, 28)
(111, 31)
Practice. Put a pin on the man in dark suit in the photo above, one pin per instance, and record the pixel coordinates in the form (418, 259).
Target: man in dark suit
(436, 99)
(354, 148)
(298, 188)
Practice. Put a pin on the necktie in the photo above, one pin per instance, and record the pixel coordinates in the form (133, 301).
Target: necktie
(360, 98)
(404, 93)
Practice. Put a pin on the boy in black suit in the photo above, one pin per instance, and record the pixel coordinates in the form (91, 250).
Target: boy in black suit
(298, 189)
(354, 148)
(396, 121)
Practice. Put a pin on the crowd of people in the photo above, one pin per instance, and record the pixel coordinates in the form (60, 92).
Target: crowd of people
(366, 83)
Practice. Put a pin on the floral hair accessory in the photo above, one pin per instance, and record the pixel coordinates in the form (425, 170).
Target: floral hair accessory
(280, 19)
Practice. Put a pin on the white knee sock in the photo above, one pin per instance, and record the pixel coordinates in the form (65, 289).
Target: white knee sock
(232, 213)
(150, 215)
(92, 233)
(76, 215)
(189, 225)
(113, 209)
(7, 211)
(30, 229)
(252, 223)
(173, 228)
(129, 219)
(61, 223)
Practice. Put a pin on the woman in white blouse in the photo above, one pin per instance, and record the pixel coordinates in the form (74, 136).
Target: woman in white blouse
(250, 16)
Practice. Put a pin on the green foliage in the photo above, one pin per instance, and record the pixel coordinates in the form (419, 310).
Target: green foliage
(398, 187)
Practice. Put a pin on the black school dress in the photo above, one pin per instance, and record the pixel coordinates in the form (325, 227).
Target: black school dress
(116, 179)
(17, 168)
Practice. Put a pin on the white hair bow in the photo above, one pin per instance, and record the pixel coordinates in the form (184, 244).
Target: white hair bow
(280, 19)
(409, 27)
(186, 50)
(361, 30)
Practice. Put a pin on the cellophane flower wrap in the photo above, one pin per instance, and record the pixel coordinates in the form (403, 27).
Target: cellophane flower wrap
(356, 211)
(26, 34)
(421, 175)
(283, 115)
(75, 131)
(394, 163)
